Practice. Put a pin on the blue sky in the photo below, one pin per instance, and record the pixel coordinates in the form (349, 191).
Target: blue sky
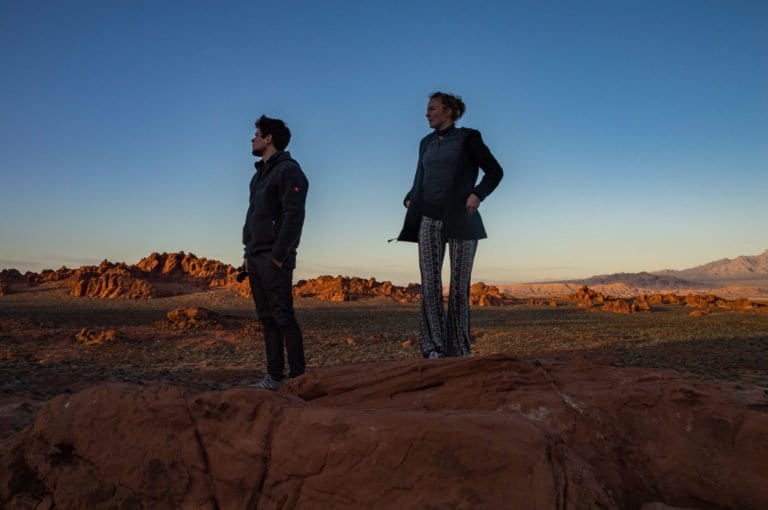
(633, 134)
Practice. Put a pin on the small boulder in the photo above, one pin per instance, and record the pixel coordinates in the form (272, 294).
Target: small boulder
(88, 336)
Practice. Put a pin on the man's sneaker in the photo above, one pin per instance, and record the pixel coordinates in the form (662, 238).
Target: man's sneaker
(268, 383)
(434, 355)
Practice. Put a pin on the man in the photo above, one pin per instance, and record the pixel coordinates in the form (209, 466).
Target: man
(271, 235)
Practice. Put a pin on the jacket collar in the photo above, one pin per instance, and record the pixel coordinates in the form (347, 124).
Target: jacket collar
(274, 159)
(443, 132)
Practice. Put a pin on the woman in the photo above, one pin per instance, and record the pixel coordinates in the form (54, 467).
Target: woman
(442, 207)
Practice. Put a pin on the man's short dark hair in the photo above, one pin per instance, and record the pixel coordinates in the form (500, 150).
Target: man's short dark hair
(281, 135)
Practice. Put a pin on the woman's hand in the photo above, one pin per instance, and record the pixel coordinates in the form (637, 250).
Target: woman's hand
(407, 204)
(473, 202)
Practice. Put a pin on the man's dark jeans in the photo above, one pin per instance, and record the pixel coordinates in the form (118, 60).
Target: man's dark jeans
(272, 292)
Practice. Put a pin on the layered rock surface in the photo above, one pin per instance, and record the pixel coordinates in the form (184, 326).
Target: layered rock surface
(481, 294)
(343, 288)
(485, 432)
(593, 300)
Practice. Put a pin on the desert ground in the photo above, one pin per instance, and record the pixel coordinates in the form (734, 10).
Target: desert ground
(41, 356)
(57, 348)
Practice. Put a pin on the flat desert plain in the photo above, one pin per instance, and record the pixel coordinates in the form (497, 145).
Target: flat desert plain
(41, 355)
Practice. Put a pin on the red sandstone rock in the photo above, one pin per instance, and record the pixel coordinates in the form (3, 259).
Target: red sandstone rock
(111, 282)
(189, 314)
(185, 318)
(617, 306)
(481, 294)
(586, 297)
(182, 264)
(552, 303)
(665, 299)
(703, 300)
(661, 506)
(592, 300)
(9, 276)
(87, 336)
(482, 432)
(342, 288)
(49, 275)
(642, 304)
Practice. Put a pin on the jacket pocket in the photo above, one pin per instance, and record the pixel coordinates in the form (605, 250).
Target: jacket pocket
(263, 231)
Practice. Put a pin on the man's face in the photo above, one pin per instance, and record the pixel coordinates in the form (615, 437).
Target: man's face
(258, 144)
(438, 115)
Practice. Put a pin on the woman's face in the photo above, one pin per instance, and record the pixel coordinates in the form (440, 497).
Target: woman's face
(438, 115)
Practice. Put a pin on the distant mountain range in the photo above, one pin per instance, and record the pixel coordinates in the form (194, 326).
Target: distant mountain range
(745, 276)
(739, 270)
(641, 280)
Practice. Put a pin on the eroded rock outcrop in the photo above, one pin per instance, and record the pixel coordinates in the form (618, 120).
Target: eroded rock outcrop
(190, 318)
(343, 288)
(49, 275)
(592, 300)
(88, 336)
(481, 294)
(180, 265)
(111, 281)
(157, 275)
(665, 299)
(8, 278)
(712, 302)
(551, 302)
(483, 432)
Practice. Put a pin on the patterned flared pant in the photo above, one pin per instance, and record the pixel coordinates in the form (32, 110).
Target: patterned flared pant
(446, 335)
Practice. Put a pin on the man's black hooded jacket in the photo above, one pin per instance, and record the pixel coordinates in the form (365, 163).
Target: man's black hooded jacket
(276, 209)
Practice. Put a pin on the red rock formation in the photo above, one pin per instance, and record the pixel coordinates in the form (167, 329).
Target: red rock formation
(591, 300)
(342, 288)
(481, 294)
(618, 306)
(586, 297)
(542, 302)
(186, 318)
(482, 432)
(743, 305)
(641, 304)
(703, 300)
(49, 275)
(189, 314)
(155, 276)
(711, 302)
(112, 281)
(9, 276)
(182, 264)
(87, 336)
(665, 299)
